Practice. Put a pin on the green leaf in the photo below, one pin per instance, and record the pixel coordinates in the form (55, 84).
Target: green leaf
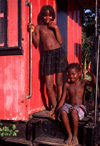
(2, 134)
(16, 131)
(13, 126)
(6, 134)
(14, 134)
(9, 134)
(1, 124)
(10, 130)
(5, 128)
(0, 129)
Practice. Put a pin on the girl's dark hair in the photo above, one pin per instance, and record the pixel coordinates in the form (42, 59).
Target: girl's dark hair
(44, 9)
(74, 65)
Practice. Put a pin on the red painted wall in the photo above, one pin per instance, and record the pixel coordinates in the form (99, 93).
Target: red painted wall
(14, 69)
(74, 32)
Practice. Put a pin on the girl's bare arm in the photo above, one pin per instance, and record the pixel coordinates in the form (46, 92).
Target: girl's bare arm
(36, 37)
(35, 34)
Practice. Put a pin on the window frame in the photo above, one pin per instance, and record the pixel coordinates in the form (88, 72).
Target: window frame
(16, 50)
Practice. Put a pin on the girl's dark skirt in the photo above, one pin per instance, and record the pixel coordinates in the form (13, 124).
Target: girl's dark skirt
(53, 61)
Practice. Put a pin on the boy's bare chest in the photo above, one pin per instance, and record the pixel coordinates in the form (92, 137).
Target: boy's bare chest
(76, 88)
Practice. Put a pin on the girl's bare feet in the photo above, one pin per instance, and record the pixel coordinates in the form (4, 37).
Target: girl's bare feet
(69, 140)
(52, 114)
(75, 141)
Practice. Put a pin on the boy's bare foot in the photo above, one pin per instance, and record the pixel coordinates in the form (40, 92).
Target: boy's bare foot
(75, 141)
(69, 140)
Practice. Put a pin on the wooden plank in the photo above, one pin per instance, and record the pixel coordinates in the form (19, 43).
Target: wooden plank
(42, 114)
(17, 140)
(50, 141)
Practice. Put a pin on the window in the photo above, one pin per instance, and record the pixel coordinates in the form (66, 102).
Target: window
(10, 27)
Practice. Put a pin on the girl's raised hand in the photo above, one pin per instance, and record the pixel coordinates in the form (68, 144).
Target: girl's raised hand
(52, 25)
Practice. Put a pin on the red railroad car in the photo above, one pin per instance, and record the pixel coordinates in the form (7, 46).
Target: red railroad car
(19, 67)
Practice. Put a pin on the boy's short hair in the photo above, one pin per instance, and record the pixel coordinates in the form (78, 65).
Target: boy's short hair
(44, 9)
(74, 65)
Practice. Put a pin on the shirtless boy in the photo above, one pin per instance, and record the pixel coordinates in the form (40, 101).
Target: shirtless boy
(53, 60)
(74, 89)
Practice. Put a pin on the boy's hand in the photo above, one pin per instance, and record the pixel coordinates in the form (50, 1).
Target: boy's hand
(30, 26)
(89, 67)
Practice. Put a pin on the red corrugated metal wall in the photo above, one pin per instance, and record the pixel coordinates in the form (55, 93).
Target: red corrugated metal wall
(12, 73)
(74, 32)
(14, 70)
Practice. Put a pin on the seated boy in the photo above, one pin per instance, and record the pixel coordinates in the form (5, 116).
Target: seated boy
(74, 88)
